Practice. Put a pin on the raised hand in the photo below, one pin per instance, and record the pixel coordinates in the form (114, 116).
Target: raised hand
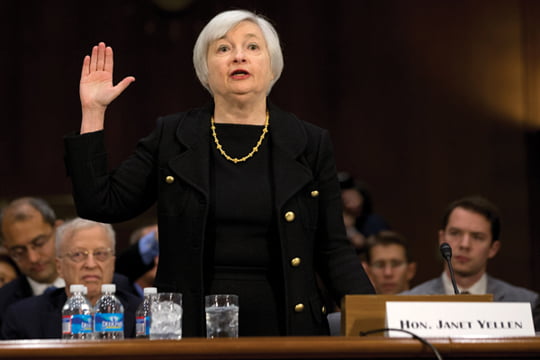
(96, 88)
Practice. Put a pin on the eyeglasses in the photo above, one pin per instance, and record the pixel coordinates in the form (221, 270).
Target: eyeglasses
(20, 252)
(379, 265)
(80, 255)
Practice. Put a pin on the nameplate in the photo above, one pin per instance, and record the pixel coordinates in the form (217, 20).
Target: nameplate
(460, 319)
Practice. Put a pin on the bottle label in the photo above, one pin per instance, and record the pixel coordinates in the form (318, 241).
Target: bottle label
(109, 322)
(77, 324)
(142, 326)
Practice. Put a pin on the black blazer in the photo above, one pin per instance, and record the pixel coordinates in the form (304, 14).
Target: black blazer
(40, 317)
(171, 166)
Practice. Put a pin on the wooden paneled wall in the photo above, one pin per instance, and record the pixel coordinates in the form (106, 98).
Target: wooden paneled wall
(426, 101)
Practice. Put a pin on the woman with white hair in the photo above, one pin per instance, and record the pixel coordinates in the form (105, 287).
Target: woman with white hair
(247, 196)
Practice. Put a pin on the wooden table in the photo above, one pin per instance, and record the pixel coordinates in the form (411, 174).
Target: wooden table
(373, 347)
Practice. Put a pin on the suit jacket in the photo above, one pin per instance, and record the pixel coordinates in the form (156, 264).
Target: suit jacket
(40, 317)
(12, 292)
(20, 289)
(501, 290)
(172, 166)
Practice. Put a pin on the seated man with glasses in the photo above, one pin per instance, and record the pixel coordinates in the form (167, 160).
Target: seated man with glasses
(388, 262)
(85, 255)
(28, 227)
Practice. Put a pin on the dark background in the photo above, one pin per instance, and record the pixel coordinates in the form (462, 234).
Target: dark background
(426, 100)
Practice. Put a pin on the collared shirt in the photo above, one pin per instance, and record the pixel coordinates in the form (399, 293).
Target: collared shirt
(478, 288)
(39, 288)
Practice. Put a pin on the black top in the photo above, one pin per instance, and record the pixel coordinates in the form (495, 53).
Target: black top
(172, 166)
(240, 244)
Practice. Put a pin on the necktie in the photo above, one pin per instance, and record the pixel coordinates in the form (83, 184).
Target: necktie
(49, 290)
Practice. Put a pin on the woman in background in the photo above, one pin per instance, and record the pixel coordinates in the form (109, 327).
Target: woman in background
(8, 269)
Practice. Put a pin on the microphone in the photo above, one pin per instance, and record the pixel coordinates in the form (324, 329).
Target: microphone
(446, 252)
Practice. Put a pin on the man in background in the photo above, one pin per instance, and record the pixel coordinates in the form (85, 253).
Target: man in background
(85, 255)
(388, 262)
(28, 233)
(142, 254)
(28, 227)
(471, 226)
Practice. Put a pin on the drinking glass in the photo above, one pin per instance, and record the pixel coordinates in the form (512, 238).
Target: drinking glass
(166, 317)
(221, 316)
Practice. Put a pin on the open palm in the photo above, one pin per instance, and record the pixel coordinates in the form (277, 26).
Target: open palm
(96, 87)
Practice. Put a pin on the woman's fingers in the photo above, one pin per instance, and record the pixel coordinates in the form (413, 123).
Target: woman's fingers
(100, 59)
(109, 59)
(96, 88)
(93, 59)
(86, 66)
(101, 50)
(122, 85)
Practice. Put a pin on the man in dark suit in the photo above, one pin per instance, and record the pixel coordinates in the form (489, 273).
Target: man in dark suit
(28, 231)
(85, 255)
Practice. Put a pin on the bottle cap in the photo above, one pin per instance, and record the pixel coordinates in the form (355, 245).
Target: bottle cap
(108, 288)
(150, 290)
(76, 288)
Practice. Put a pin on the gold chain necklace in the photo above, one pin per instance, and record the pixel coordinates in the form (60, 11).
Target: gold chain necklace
(253, 151)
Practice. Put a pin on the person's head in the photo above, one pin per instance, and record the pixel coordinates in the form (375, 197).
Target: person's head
(85, 255)
(139, 232)
(471, 226)
(146, 279)
(28, 226)
(8, 269)
(237, 40)
(355, 195)
(388, 262)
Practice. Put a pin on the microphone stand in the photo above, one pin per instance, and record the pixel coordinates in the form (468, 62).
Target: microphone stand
(446, 252)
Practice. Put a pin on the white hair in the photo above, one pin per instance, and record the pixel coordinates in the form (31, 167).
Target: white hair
(69, 228)
(219, 26)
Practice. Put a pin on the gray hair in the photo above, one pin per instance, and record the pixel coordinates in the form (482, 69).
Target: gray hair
(69, 228)
(219, 26)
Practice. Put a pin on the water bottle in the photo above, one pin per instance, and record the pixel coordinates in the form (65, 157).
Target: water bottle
(143, 313)
(108, 315)
(77, 315)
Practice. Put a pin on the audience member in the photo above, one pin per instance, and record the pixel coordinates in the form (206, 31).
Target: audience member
(28, 229)
(471, 226)
(146, 238)
(8, 269)
(388, 262)
(139, 261)
(536, 317)
(358, 214)
(85, 255)
(28, 225)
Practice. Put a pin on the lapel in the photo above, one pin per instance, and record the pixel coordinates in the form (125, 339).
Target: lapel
(439, 285)
(51, 319)
(493, 288)
(192, 163)
(288, 138)
(24, 289)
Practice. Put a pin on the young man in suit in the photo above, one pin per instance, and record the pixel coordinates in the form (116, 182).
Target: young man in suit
(28, 233)
(85, 255)
(471, 226)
